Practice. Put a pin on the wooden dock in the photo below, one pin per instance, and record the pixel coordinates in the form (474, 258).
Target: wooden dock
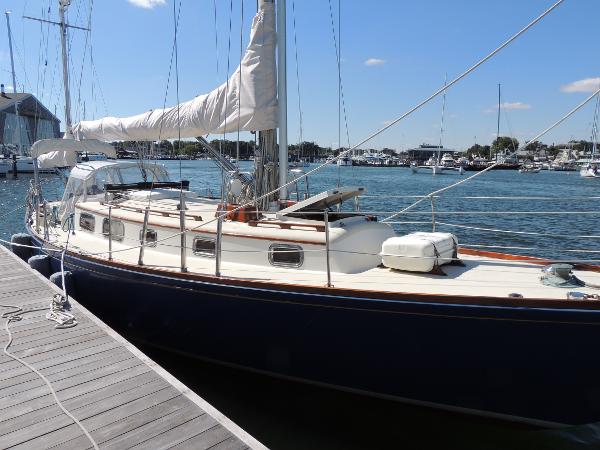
(121, 397)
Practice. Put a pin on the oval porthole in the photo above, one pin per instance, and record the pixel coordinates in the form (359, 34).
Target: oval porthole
(151, 237)
(87, 222)
(204, 247)
(286, 255)
(117, 229)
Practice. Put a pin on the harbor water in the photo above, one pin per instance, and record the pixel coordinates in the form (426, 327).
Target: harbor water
(555, 215)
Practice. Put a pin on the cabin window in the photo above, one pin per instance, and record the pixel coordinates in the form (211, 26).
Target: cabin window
(117, 229)
(204, 247)
(150, 237)
(87, 222)
(286, 255)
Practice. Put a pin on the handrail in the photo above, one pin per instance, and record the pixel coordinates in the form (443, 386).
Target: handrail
(288, 225)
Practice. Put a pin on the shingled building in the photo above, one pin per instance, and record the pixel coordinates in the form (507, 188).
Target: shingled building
(24, 120)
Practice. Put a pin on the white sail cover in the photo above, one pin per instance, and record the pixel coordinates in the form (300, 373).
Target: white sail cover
(247, 101)
(53, 153)
(53, 160)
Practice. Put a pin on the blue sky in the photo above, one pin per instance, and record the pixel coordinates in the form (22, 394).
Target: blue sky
(394, 53)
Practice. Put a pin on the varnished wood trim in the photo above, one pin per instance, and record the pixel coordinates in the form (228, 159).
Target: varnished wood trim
(529, 259)
(116, 215)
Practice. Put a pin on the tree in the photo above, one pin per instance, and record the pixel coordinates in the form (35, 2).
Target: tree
(478, 150)
(535, 146)
(503, 143)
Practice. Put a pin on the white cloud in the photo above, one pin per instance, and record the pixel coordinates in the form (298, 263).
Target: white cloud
(585, 85)
(509, 106)
(147, 4)
(374, 62)
(514, 105)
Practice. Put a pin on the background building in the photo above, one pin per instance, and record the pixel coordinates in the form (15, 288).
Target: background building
(33, 122)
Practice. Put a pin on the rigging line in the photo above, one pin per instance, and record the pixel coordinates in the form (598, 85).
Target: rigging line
(300, 140)
(85, 51)
(216, 37)
(394, 122)
(337, 57)
(176, 25)
(168, 81)
(239, 103)
(442, 119)
(595, 127)
(297, 74)
(510, 132)
(551, 127)
(227, 73)
(427, 100)
(47, 46)
(341, 97)
(527, 233)
(95, 74)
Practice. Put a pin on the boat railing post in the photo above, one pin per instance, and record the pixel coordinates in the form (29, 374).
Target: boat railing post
(143, 237)
(110, 233)
(36, 204)
(326, 219)
(46, 230)
(182, 249)
(218, 246)
(432, 198)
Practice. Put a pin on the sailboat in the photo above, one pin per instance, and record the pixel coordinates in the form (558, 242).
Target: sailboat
(438, 163)
(591, 169)
(305, 290)
(15, 159)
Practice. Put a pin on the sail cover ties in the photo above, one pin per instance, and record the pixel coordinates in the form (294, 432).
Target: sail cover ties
(247, 101)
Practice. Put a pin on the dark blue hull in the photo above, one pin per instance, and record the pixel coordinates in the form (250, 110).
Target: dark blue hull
(520, 362)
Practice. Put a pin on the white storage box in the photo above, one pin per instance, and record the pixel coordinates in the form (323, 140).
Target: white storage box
(419, 252)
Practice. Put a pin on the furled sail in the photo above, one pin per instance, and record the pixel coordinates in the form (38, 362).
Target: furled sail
(247, 101)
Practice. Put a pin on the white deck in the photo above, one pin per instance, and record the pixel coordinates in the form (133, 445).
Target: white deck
(480, 276)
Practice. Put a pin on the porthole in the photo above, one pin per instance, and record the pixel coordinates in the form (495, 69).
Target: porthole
(117, 229)
(150, 237)
(286, 255)
(87, 222)
(204, 247)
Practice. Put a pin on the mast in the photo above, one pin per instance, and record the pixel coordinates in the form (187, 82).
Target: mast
(64, 4)
(266, 164)
(595, 128)
(12, 60)
(498, 128)
(14, 81)
(439, 153)
(282, 98)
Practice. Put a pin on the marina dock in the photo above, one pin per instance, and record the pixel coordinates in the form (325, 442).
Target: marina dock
(122, 398)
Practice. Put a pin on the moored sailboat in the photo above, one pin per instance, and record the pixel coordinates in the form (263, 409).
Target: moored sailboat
(306, 290)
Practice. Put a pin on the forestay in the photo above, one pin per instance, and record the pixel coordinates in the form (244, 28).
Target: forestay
(247, 101)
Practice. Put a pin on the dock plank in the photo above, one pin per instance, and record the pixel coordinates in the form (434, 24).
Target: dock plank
(84, 397)
(122, 398)
(205, 440)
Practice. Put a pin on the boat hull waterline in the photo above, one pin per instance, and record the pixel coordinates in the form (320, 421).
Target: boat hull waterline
(537, 365)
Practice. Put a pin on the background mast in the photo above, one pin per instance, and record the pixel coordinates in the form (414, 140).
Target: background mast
(14, 81)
